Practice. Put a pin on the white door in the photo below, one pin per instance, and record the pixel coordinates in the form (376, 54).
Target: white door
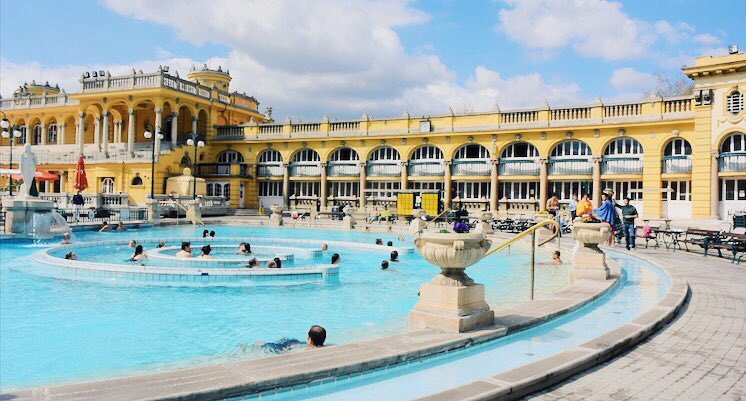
(270, 193)
(732, 197)
(241, 195)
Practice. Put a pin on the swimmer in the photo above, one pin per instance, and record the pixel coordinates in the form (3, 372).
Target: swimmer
(243, 249)
(71, 256)
(205, 233)
(556, 258)
(186, 250)
(316, 337)
(133, 243)
(105, 227)
(401, 239)
(66, 239)
(335, 258)
(384, 265)
(275, 263)
(252, 263)
(379, 241)
(394, 256)
(121, 227)
(212, 234)
(324, 247)
(139, 255)
(389, 243)
(206, 252)
(161, 245)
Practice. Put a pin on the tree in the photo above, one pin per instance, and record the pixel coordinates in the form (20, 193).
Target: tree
(668, 85)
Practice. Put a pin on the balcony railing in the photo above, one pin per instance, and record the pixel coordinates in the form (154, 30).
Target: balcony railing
(732, 162)
(677, 164)
(426, 168)
(270, 170)
(343, 169)
(518, 167)
(305, 170)
(223, 170)
(230, 132)
(621, 165)
(570, 167)
(470, 167)
(381, 169)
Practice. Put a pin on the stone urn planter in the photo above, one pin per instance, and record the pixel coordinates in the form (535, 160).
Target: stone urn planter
(484, 226)
(348, 221)
(417, 223)
(451, 301)
(275, 219)
(589, 262)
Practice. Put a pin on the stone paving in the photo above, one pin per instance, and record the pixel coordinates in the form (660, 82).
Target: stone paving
(701, 355)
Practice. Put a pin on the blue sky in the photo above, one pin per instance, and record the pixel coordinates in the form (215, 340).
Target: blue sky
(309, 58)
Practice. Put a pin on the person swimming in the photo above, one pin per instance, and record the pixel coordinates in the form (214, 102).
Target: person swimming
(71, 256)
(138, 255)
(389, 243)
(324, 247)
(133, 243)
(252, 263)
(244, 248)
(384, 265)
(205, 233)
(212, 234)
(206, 252)
(275, 263)
(186, 250)
(379, 241)
(394, 256)
(161, 245)
(335, 258)
(66, 239)
(121, 227)
(105, 227)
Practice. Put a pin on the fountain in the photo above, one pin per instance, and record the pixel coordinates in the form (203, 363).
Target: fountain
(27, 214)
(451, 301)
(588, 261)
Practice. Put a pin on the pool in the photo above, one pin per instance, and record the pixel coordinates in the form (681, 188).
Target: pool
(67, 330)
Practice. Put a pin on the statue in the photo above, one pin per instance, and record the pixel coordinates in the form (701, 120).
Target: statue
(28, 172)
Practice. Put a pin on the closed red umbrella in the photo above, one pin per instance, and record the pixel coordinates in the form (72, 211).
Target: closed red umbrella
(81, 182)
(39, 175)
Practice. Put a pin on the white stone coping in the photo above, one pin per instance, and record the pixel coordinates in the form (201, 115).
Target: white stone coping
(283, 253)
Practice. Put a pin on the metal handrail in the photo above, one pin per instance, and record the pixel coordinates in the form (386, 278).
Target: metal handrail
(428, 223)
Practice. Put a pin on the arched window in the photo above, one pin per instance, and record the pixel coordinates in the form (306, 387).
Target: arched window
(52, 134)
(733, 153)
(734, 102)
(185, 162)
(677, 156)
(384, 161)
(230, 156)
(136, 181)
(270, 156)
(677, 147)
(623, 147)
(306, 155)
(519, 150)
(384, 153)
(427, 152)
(38, 133)
(472, 151)
(344, 155)
(570, 149)
(734, 143)
(107, 185)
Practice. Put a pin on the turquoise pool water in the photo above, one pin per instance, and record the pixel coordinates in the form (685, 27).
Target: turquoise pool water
(417, 379)
(56, 330)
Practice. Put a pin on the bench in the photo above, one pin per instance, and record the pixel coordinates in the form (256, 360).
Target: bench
(735, 243)
(652, 235)
(702, 238)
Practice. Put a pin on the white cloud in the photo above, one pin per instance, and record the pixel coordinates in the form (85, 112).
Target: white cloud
(707, 39)
(628, 80)
(593, 28)
(673, 34)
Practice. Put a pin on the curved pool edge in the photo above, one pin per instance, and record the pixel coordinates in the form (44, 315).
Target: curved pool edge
(522, 381)
(214, 382)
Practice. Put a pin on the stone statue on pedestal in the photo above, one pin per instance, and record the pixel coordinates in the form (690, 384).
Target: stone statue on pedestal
(28, 171)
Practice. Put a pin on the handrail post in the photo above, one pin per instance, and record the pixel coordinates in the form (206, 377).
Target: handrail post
(533, 253)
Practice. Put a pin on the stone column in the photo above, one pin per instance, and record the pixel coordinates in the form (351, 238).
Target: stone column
(97, 132)
(447, 184)
(493, 184)
(43, 140)
(174, 128)
(714, 187)
(105, 134)
(596, 201)
(543, 184)
(362, 185)
(156, 131)
(404, 176)
(285, 184)
(117, 131)
(131, 133)
(323, 187)
(80, 135)
(61, 134)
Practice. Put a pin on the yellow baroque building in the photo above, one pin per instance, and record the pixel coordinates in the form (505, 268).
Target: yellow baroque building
(677, 158)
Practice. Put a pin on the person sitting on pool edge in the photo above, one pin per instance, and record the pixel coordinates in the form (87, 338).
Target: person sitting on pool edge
(105, 227)
(139, 255)
(316, 337)
(335, 258)
(394, 256)
(186, 250)
(206, 252)
(384, 265)
(71, 256)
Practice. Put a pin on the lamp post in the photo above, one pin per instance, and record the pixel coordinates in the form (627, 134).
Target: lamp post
(9, 132)
(150, 135)
(193, 141)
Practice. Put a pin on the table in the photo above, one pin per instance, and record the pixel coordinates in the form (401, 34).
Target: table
(673, 236)
(666, 222)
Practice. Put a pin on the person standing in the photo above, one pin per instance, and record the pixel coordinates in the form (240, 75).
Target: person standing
(607, 214)
(78, 203)
(572, 206)
(629, 214)
(553, 205)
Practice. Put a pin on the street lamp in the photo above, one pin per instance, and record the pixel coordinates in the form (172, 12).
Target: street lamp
(7, 130)
(197, 144)
(149, 135)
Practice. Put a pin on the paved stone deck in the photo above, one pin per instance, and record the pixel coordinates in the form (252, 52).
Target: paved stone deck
(701, 355)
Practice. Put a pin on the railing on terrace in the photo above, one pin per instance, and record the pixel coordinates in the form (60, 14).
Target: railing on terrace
(208, 202)
(520, 117)
(344, 126)
(223, 169)
(426, 168)
(380, 169)
(623, 110)
(677, 164)
(96, 201)
(270, 170)
(570, 167)
(27, 102)
(305, 170)
(677, 105)
(732, 162)
(621, 165)
(303, 128)
(230, 131)
(518, 167)
(576, 113)
(99, 216)
(343, 169)
(470, 167)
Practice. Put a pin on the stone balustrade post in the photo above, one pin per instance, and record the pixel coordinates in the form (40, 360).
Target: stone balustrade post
(131, 133)
(596, 201)
(447, 184)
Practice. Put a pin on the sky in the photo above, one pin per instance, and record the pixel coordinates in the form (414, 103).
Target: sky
(310, 58)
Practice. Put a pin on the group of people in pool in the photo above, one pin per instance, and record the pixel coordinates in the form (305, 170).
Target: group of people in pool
(106, 227)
